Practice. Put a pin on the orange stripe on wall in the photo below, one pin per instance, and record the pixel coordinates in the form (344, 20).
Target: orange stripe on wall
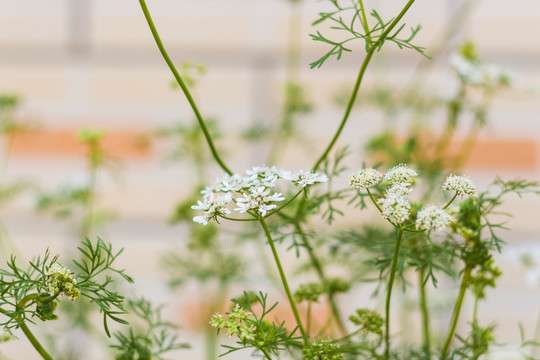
(65, 143)
(502, 154)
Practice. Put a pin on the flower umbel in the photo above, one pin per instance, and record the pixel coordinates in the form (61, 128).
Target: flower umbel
(236, 323)
(365, 178)
(212, 207)
(460, 184)
(252, 192)
(60, 281)
(395, 209)
(259, 199)
(433, 217)
(303, 178)
(400, 174)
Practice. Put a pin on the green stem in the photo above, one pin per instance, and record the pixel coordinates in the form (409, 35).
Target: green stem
(33, 340)
(266, 354)
(322, 277)
(365, 23)
(40, 349)
(389, 294)
(457, 310)
(284, 279)
(373, 201)
(359, 78)
(425, 313)
(183, 86)
(451, 201)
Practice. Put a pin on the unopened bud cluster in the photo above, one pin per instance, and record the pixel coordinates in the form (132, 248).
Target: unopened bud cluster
(236, 323)
(60, 281)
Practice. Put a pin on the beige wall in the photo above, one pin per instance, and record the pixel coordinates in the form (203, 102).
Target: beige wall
(93, 63)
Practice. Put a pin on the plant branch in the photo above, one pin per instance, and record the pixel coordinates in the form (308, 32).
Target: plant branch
(35, 343)
(322, 277)
(389, 294)
(457, 310)
(358, 82)
(425, 312)
(365, 23)
(284, 280)
(184, 88)
(33, 340)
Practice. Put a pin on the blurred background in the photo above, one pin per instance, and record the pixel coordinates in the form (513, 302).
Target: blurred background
(93, 64)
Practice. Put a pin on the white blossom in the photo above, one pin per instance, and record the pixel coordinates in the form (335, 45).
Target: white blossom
(306, 178)
(394, 208)
(400, 174)
(251, 191)
(365, 178)
(398, 190)
(212, 207)
(433, 217)
(460, 184)
(259, 199)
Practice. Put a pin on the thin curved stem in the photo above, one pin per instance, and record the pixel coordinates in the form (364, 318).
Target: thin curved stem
(451, 201)
(233, 219)
(373, 201)
(455, 313)
(284, 279)
(184, 88)
(35, 343)
(284, 205)
(389, 294)
(358, 82)
(348, 109)
(33, 340)
(364, 20)
(267, 215)
(425, 313)
(322, 277)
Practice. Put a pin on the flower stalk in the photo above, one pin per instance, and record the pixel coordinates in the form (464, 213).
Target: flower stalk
(389, 294)
(456, 312)
(425, 313)
(284, 280)
(183, 86)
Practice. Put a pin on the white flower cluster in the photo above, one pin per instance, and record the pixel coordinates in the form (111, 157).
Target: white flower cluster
(400, 174)
(460, 184)
(60, 281)
(433, 217)
(365, 178)
(479, 73)
(396, 208)
(252, 192)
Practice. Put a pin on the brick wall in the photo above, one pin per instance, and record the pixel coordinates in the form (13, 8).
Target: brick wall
(93, 63)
